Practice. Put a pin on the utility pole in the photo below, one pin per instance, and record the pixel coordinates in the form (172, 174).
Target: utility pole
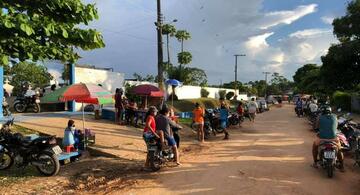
(160, 47)
(236, 56)
(266, 74)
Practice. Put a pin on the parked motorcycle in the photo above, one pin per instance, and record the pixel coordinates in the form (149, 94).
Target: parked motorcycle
(234, 119)
(30, 99)
(41, 152)
(328, 157)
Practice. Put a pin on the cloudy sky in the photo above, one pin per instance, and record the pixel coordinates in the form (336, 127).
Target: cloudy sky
(276, 35)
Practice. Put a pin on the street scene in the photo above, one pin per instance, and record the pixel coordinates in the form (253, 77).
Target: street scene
(179, 97)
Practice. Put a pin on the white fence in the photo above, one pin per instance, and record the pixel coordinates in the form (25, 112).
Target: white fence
(109, 80)
(192, 92)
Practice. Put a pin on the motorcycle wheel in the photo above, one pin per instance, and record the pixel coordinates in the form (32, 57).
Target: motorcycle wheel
(330, 170)
(50, 164)
(154, 161)
(219, 130)
(235, 121)
(36, 108)
(20, 107)
(6, 161)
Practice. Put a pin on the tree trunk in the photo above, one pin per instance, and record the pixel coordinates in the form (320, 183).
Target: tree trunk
(168, 49)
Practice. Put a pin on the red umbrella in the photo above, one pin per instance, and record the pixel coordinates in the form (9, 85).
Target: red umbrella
(147, 90)
(144, 90)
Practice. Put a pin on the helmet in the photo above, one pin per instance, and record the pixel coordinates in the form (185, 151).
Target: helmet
(326, 110)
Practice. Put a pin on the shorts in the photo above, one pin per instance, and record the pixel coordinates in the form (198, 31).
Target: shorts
(171, 141)
(318, 141)
(252, 115)
(223, 124)
(198, 123)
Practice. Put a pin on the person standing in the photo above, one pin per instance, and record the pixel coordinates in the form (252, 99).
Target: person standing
(253, 108)
(119, 106)
(198, 117)
(240, 111)
(224, 114)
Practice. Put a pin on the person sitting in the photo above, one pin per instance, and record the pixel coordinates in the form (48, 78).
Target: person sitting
(198, 117)
(163, 127)
(150, 129)
(69, 134)
(131, 111)
(327, 132)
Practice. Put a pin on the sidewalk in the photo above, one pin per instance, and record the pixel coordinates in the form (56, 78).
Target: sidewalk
(122, 141)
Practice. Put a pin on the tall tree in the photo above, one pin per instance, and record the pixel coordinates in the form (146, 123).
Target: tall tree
(170, 31)
(39, 30)
(341, 65)
(182, 35)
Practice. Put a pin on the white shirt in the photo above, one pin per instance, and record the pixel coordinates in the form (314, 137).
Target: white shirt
(252, 106)
(313, 107)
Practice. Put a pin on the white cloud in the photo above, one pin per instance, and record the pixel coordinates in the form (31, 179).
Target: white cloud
(310, 33)
(287, 17)
(327, 19)
(219, 29)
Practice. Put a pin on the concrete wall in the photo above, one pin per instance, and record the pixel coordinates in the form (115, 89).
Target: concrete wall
(109, 80)
(191, 92)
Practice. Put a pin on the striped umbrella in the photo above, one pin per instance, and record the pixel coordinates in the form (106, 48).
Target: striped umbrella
(81, 93)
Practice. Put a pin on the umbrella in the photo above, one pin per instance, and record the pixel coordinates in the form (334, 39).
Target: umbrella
(174, 83)
(147, 91)
(81, 93)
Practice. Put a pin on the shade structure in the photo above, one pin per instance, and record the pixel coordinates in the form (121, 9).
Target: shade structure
(173, 82)
(82, 93)
(144, 90)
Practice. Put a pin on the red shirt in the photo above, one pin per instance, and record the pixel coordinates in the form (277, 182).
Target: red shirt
(152, 124)
(240, 110)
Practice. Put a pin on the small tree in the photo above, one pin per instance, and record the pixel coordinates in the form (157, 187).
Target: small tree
(204, 93)
(222, 94)
(229, 95)
(37, 75)
(184, 57)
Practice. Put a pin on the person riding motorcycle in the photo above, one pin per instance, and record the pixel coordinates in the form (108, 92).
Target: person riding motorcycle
(327, 132)
(313, 108)
(163, 127)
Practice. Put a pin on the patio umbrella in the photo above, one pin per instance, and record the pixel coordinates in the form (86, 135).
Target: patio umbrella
(174, 83)
(81, 93)
(147, 91)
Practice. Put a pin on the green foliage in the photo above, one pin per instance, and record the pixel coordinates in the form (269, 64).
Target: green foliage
(222, 94)
(184, 57)
(168, 29)
(182, 35)
(188, 75)
(308, 79)
(258, 87)
(347, 28)
(149, 78)
(37, 75)
(279, 85)
(204, 93)
(39, 30)
(342, 100)
(230, 95)
(341, 70)
(65, 75)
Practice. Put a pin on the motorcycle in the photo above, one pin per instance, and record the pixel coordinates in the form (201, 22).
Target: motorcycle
(41, 152)
(351, 132)
(234, 119)
(299, 112)
(30, 99)
(328, 157)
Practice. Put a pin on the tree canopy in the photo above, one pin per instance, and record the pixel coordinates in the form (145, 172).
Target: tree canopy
(37, 75)
(39, 30)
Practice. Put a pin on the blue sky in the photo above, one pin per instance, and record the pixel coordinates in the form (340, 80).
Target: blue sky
(276, 35)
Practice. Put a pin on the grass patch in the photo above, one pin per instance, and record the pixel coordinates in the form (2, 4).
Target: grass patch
(185, 121)
(23, 130)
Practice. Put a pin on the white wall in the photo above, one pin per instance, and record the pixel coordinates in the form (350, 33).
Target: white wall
(191, 92)
(109, 80)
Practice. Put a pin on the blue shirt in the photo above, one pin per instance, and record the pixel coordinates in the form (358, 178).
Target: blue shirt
(328, 126)
(299, 104)
(224, 113)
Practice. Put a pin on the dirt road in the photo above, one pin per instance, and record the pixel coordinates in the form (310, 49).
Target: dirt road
(272, 156)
